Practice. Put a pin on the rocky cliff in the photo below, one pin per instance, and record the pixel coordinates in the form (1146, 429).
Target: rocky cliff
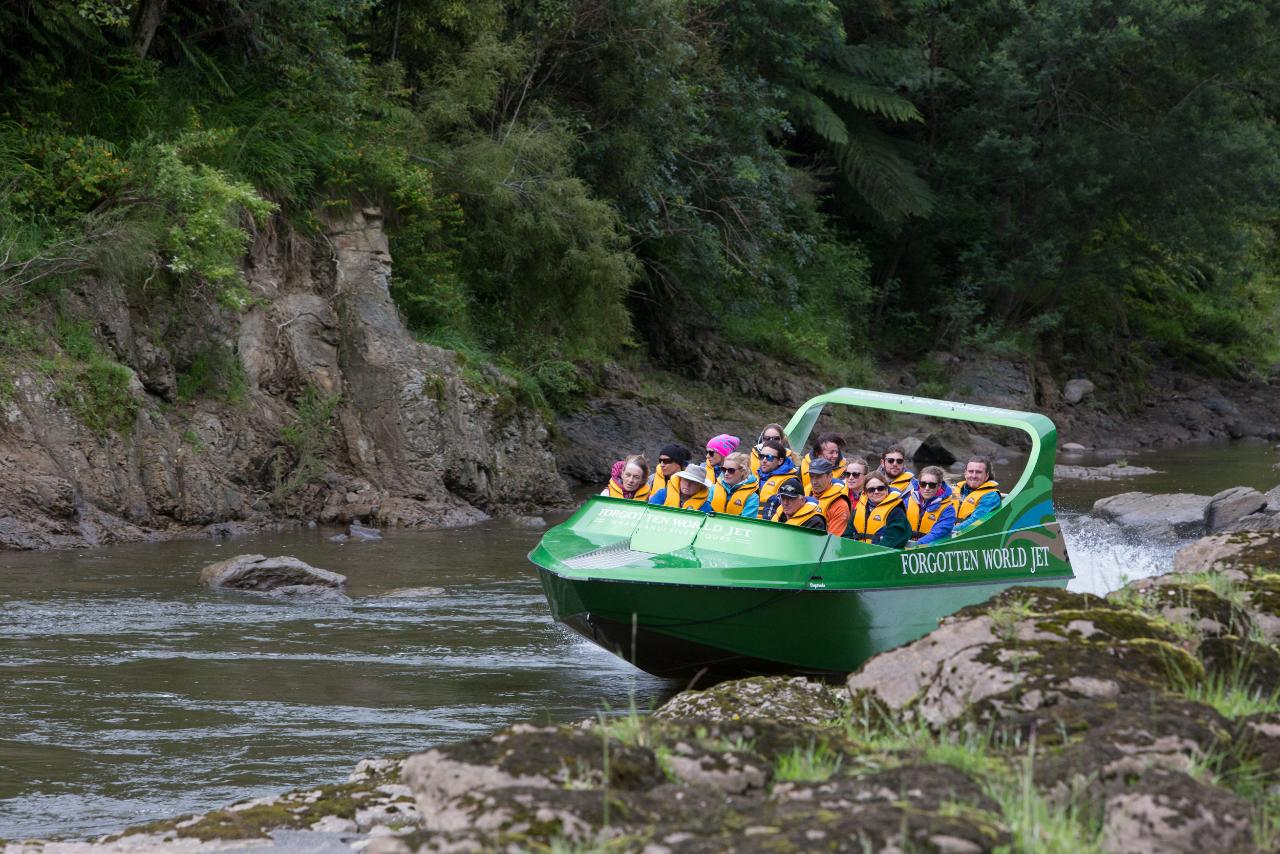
(337, 415)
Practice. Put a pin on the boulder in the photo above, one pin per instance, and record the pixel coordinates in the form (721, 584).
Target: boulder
(995, 381)
(1076, 390)
(1236, 550)
(1112, 471)
(1273, 499)
(910, 445)
(361, 532)
(1160, 516)
(932, 452)
(261, 574)
(795, 700)
(1230, 506)
(1072, 448)
(1263, 521)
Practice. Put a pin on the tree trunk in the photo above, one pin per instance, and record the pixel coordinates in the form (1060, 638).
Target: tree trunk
(146, 20)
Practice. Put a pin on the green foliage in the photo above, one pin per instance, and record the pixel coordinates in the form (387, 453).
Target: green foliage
(215, 372)
(97, 389)
(307, 437)
(812, 764)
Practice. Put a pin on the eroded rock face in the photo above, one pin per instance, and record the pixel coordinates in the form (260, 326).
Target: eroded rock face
(408, 441)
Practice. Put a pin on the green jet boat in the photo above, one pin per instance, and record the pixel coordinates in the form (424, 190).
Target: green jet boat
(702, 596)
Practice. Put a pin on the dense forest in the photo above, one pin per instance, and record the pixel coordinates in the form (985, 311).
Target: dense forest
(1091, 183)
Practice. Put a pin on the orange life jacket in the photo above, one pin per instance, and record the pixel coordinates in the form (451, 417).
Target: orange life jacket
(673, 498)
(732, 503)
(902, 482)
(837, 491)
(922, 524)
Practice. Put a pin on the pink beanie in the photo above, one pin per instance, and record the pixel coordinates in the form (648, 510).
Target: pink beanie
(724, 444)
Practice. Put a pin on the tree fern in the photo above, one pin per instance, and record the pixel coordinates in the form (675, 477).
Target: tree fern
(873, 166)
(867, 97)
(810, 110)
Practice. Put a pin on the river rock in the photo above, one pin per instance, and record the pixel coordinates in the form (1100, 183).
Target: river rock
(795, 700)
(1235, 550)
(1273, 499)
(1264, 521)
(1076, 390)
(910, 445)
(261, 574)
(528, 522)
(413, 593)
(362, 532)
(1072, 448)
(1111, 471)
(1160, 516)
(932, 452)
(1231, 505)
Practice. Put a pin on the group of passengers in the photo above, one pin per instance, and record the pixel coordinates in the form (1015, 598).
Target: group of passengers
(888, 506)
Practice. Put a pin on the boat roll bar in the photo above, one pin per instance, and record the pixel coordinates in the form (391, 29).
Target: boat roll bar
(1044, 436)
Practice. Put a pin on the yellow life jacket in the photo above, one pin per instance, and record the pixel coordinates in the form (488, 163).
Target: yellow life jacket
(837, 490)
(902, 482)
(642, 494)
(867, 520)
(965, 506)
(922, 524)
(731, 502)
(838, 470)
(807, 512)
(770, 484)
(674, 500)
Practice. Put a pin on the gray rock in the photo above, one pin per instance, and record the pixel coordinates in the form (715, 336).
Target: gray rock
(1230, 506)
(309, 593)
(1161, 516)
(910, 445)
(528, 522)
(932, 452)
(1273, 499)
(262, 574)
(413, 593)
(1264, 521)
(795, 700)
(338, 538)
(1220, 406)
(995, 382)
(1077, 390)
(1072, 448)
(361, 532)
(1228, 551)
(1112, 471)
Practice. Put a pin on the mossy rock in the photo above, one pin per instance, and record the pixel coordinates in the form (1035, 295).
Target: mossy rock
(292, 811)
(1246, 664)
(774, 698)
(1102, 623)
(767, 739)
(1196, 604)
(562, 755)
(1037, 600)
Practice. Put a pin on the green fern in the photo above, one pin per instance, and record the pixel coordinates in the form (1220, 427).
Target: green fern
(873, 166)
(868, 97)
(810, 110)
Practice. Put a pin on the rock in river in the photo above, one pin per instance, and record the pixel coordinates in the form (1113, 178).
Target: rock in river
(1164, 516)
(282, 576)
(1230, 506)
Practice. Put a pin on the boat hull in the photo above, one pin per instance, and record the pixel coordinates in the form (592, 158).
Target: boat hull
(711, 633)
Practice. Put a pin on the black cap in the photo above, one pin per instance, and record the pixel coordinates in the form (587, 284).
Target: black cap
(791, 488)
(821, 465)
(678, 453)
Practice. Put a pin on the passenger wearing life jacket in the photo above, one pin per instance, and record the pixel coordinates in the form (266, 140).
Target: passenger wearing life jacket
(828, 445)
(795, 508)
(734, 492)
(630, 479)
(671, 459)
(775, 467)
(855, 472)
(831, 495)
(979, 496)
(717, 449)
(771, 432)
(879, 518)
(931, 510)
(686, 489)
(894, 462)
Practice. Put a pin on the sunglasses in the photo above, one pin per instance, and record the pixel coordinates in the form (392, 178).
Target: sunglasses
(895, 460)
(711, 453)
(877, 489)
(928, 484)
(729, 470)
(855, 474)
(773, 438)
(665, 461)
(768, 458)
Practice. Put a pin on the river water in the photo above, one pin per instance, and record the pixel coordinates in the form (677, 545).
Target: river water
(129, 693)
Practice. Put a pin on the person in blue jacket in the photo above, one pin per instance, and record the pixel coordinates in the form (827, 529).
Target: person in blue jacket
(979, 496)
(688, 490)
(931, 508)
